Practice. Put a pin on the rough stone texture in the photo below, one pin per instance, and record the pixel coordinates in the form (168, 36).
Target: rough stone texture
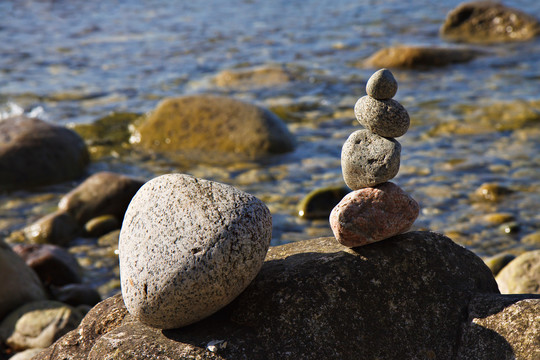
(404, 298)
(51, 263)
(521, 275)
(19, 283)
(382, 85)
(214, 128)
(488, 22)
(386, 118)
(188, 247)
(415, 57)
(502, 327)
(368, 159)
(38, 324)
(34, 153)
(261, 76)
(57, 228)
(104, 193)
(319, 203)
(373, 214)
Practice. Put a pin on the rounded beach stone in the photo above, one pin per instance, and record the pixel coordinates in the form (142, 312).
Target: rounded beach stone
(368, 159)
(188, 247)
(382, 85)
(373, 214)
(386, 118)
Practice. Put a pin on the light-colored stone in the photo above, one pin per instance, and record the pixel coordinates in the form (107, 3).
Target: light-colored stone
(386, 118)
(373, 214)
(368, 159)
(19, 283)
(188, 247)
(382, 85)
(521, 275)
(57, 228)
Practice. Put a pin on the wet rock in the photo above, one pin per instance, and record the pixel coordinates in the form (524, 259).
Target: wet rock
(315, 299)
(188, 247)
(502, 327)
(498, 218)
(386, 118)
(382, 85)
(58, 228)
(491, 192)
(101, 225)
(521, 275)
(53, 264)
(104, 193)
(488, 22)
(211, 127)
(497, 262)
(262, 76)
(368, 159)
(35, 153)
(19, 284)
(373, 214)
(319, 203)
(532, 239)
(38, 324)
(416, 57)
(76, 294)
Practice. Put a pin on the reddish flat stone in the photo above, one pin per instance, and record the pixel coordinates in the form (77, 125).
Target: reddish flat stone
(373, 214)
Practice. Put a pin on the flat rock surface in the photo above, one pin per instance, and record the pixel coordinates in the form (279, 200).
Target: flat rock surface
(386, 118)
(188, 247)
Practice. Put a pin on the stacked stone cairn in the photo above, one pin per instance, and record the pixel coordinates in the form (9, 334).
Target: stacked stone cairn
(376, 209)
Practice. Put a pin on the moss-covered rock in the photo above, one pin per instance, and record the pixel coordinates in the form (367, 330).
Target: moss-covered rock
(212, 128)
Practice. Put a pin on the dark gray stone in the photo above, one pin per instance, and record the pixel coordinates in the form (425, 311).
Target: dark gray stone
(368, 159)
(386, 118)
(382, 85)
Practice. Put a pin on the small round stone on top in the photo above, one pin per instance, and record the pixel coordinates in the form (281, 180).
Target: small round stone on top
(382, 85)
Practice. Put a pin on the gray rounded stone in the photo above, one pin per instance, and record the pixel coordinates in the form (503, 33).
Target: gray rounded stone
(386, 118)
(188, 247)
(382, 85)
(368, 159)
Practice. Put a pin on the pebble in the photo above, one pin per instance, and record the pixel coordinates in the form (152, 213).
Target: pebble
(373, 214)
(188, 247)
(382, 85)
(521, 275)
(368, 159)
(386, 118)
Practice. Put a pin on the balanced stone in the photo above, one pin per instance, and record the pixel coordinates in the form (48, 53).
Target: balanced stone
(188, 247)
(382, 85)
(386, 118)
(368, 159)
(373, 214)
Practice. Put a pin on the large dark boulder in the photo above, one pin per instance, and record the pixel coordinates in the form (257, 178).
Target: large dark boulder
(403, 298)
(34, 152)
(488, 22)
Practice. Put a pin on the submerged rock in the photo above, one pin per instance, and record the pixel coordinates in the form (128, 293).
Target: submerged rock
(261, 76)
(319, 203)
(403, 298)
(188, 247)
(57, 228)
(419, 57)
(35, 153)
(488, 22)
(213, 127)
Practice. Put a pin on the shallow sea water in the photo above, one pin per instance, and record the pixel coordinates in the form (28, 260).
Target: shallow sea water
(75, 62)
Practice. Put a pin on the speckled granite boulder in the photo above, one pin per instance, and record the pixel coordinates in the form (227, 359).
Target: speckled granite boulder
(34, 153)
(404, 298)
(382, 85)
(368, 159)
(188, 247)
(488, 22)
(386, 118)
(521, 275)
(373, 214)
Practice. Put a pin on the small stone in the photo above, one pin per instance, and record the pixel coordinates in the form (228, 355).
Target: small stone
(188, 247)
(386, 118)
(382, 85)
(101, 225)
(373, 214)
(497, 262)
(521, 275)
(532, 239)
(319, 203)
(491, 192)
(57, 228)
(368, 159)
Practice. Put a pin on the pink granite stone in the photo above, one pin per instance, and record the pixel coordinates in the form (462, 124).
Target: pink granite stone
(373, 214)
